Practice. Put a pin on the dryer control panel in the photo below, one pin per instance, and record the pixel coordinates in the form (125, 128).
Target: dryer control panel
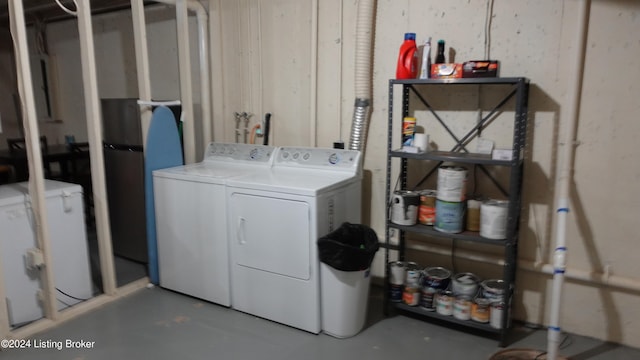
(321, 158)
(239, 152)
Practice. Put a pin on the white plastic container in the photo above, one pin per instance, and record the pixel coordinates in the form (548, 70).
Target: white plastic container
(344, 300)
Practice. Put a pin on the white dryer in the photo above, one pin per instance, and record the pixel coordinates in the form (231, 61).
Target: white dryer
(191, 213)
(275, 219)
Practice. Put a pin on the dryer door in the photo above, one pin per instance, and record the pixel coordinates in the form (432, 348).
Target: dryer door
(271, 234)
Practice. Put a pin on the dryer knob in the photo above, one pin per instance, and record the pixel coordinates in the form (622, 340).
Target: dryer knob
(334, 158)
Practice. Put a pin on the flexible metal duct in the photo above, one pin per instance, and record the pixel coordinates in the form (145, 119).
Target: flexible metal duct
(364, 40)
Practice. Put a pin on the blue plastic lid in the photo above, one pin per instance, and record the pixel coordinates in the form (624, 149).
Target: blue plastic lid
(409, 36)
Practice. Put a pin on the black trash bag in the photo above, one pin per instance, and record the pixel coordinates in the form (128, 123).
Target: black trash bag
(351, 247)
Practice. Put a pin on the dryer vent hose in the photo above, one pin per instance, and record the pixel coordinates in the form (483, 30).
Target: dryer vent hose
(364, 56)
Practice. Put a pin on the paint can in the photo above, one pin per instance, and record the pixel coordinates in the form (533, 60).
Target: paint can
(396, 280)
(462, 307)
(449, 216)
(493, 219)
(493, 289)
(465, 284)
(436, 277)
(444, 303)
(480, 310)
(427, 210)
(404, 208)
(396, 271)
(496, 314)
(408, 130)
(473, 215)
(412, 274)
(411, 295)
(452, 183)
(428, 298)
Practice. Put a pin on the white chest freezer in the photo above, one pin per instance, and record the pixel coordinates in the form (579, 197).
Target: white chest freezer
(69, 249)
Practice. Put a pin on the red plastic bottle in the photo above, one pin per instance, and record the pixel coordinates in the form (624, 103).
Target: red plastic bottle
(407, 62)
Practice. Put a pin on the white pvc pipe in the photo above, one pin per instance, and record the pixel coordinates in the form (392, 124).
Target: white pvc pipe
(205, 72)
(34, 155)
(564, 179)
(94, 132)
(186, 96)
(314, 75)
(159, 103)
(142, 64)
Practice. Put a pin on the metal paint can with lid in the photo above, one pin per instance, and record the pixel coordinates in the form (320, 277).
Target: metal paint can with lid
(427, 210)
(396, 280)
(412, 274)
(496, 314)
(411, 295)
(452, 183)
(436, 277)
(465, 284)
(493, 289)
(404, 207)
(480, 309)
(493, 219)
(428, 298)
(462, 307)
(449, 216)
(444, 304)
(473, 215)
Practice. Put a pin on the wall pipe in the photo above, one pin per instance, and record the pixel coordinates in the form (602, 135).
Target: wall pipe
(205, 73)
(364, 40)
(142, 63)
(564, 180)
(590, 277)
(313, 131)
(186, 94)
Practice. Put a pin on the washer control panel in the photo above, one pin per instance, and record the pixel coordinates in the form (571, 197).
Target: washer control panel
(239, 152)
(325, 158)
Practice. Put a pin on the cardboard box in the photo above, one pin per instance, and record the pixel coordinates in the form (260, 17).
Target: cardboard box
(480, 69)
(446, 71)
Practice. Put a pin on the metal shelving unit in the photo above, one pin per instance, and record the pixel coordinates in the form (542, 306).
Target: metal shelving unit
(518, 90)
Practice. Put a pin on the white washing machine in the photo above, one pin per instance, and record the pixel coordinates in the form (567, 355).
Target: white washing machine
(191, 213)
(275, 219)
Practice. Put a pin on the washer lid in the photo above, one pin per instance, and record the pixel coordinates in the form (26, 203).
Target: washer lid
(294, 181)
(210, 172)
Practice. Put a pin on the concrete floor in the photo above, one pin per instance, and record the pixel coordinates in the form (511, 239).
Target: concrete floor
(159, 324)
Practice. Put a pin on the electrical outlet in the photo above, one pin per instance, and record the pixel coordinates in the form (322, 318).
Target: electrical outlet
(35, 260)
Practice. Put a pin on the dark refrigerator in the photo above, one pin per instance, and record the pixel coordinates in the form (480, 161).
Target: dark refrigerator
(124, 172)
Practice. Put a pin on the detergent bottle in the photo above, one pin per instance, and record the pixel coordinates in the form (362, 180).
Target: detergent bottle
(407, 59)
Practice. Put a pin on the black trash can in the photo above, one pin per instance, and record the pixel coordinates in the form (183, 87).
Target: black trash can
(346, 255)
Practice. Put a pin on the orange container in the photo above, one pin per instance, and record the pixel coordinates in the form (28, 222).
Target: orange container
(407, 58)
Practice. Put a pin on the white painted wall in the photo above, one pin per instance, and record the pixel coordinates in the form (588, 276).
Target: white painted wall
(535, 39)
